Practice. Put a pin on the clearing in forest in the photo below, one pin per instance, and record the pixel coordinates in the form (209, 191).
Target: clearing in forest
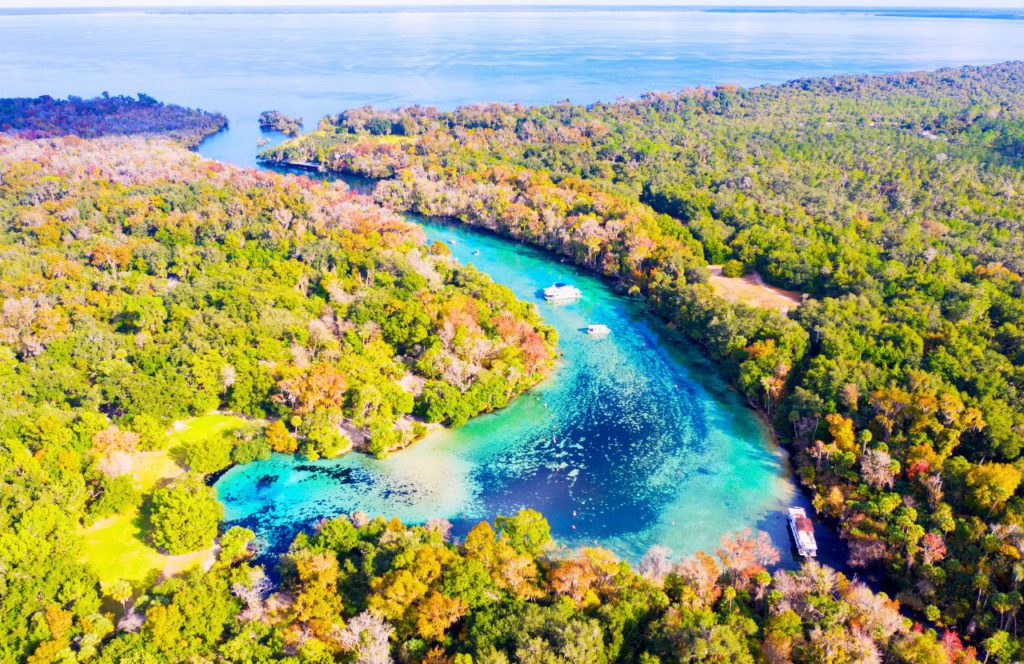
(751, 289)
(117, 547)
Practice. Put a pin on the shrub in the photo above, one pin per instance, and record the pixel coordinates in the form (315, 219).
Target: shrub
(733, 268)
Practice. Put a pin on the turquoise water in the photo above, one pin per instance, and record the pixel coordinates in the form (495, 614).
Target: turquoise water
(631, 442)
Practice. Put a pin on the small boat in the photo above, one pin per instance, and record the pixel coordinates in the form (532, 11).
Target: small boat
(598, 330)
(562, 293)
(476, 252)
(803, 532)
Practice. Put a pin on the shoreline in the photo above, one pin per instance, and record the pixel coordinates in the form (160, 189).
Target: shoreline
(803, 496)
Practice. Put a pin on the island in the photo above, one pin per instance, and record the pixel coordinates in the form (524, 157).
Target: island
(278, 121)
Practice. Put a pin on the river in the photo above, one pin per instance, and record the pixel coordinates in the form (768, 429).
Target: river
(631, 442)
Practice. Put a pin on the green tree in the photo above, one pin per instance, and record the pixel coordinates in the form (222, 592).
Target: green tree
(185, 516)
(235, 544)
(528, 531)
(121, 591)
(320, 435)
(208, 455)
(992, 484)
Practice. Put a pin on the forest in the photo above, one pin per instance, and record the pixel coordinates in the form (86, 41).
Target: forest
(45, 117)
(364, 590)
(143, 288)
(894, 203)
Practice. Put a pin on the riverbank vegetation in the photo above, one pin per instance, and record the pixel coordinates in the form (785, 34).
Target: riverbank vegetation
(894, 202)
(361, 590)
(144, 283)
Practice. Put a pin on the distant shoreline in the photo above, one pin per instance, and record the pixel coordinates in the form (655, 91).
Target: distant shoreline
(894, 11)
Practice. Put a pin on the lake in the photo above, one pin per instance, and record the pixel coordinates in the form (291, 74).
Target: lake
(633, 441)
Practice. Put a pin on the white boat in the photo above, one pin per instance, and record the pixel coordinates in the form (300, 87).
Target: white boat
(803, 532)
(562, 293)
(598, 330)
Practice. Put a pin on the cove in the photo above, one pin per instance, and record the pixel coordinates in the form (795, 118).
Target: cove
(633, 441)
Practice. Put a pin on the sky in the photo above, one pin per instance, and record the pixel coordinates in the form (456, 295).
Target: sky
(945, 4)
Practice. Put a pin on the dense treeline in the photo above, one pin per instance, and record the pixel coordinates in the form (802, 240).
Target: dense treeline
(361, 590)
(44, 117)
(894, 202)
(144, 282)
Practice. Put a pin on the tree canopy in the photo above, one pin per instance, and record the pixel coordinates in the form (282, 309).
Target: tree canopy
(141, 285)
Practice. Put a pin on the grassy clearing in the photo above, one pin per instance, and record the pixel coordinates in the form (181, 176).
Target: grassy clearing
(392, 139)
(205, 427)
(149, 469)
(116, 547)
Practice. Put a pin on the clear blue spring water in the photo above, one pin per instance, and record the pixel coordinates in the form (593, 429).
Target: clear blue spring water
(631, 442)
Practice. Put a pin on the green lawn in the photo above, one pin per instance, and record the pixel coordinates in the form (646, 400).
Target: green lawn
(151, 468)
(207, 426)
(393, 139)
(116, 547)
